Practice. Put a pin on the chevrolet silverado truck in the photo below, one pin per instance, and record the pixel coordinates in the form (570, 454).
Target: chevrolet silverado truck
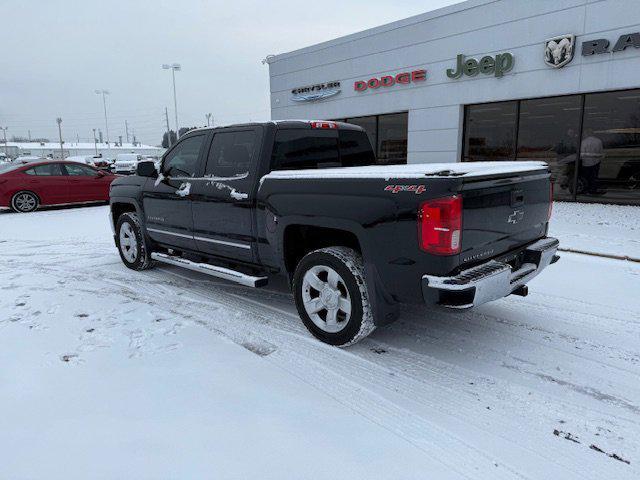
(355, 239)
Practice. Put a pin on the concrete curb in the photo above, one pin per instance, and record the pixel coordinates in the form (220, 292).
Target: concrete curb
(603, 255)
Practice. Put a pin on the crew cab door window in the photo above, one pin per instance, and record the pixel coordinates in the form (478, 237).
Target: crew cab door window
(302, 149)
(231, 154)
(182, 161)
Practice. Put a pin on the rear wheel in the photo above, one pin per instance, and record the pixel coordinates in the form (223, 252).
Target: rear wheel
(24, 202)
(131, 242)
(331, 296)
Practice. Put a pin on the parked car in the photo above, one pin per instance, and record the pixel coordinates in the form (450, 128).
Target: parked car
(26, 186)
(355, 239)
(126, 163)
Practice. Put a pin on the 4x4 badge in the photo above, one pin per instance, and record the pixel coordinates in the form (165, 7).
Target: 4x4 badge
(417, 189)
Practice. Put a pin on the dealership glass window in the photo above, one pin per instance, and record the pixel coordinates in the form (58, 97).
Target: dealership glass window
(490, 132)
(590, 141)
(609, 166)
(548, 131)
(392, 138)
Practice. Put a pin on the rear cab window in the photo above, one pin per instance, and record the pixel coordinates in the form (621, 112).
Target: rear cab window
(298, 148)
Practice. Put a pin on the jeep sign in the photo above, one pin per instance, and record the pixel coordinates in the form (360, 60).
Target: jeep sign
(498, 66)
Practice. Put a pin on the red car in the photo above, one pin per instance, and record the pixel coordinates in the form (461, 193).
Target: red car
(26, 186)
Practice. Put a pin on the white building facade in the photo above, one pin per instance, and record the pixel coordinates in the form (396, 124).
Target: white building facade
(552, 80)
(73, 149)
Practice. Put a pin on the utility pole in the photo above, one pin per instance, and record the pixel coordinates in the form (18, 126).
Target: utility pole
(100, 135)
(95, 141)
(120, 138)
(166, 116)
(173, 67)
(6, 149)
(104, 103)
(126, 130)
(208, 115)
(29, 133)
(59, 121)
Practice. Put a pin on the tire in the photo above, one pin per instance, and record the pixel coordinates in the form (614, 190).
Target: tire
(131, 243)
(24, 202)
(332, 280)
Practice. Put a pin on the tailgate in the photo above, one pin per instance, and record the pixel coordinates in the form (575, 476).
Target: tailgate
(500, 214)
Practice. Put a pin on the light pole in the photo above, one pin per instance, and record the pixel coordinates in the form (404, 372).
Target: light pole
(174, 67)
(95, 141)
(59, 122)
(6, 149)
(208, 115)
(104, 104)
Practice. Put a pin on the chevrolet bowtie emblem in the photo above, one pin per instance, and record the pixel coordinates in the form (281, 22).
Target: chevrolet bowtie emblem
(516, 216)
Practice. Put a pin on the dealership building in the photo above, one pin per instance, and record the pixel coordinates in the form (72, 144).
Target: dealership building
(487, 80)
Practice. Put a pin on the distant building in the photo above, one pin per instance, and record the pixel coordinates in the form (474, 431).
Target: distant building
(71, 149)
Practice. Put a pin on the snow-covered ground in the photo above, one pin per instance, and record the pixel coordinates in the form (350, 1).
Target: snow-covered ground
(604, 229)
(109, 373)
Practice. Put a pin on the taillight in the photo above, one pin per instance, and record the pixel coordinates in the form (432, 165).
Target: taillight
(440, 225)
(550, 201)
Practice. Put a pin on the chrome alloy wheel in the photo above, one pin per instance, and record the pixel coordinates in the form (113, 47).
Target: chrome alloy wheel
(128, 243)
(326, 298)
(25, 202)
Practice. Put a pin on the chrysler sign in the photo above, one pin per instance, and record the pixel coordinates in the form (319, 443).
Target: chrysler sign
(315, 92)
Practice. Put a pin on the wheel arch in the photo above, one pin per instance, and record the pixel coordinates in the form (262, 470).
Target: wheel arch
(298, 239)
(118, 206)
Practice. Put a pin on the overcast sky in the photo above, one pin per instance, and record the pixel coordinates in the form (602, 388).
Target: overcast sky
(56, 53)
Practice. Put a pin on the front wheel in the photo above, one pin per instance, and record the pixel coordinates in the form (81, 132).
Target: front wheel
(131, 243)
(331, 296)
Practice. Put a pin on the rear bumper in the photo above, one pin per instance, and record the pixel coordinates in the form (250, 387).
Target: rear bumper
(491, 280)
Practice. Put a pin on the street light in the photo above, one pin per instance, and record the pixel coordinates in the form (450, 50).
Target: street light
(208, 115)
(95, 141)
(104, 103)
(174, 67)
(59, 122)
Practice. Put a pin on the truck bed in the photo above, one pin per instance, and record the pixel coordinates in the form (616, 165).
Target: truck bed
(416, 170)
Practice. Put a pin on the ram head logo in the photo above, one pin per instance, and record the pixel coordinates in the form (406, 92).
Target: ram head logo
(558, 51)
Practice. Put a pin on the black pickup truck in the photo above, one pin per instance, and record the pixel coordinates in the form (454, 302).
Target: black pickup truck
(355, 239)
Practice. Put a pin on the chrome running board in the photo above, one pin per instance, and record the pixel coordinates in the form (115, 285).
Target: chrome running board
(214, 271)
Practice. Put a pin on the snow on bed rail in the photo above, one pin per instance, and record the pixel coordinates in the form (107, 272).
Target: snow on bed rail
(415, 170)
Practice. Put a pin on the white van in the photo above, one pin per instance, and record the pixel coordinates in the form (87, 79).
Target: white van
(126, 163)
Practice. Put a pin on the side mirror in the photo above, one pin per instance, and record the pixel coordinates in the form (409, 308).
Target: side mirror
(100, 174)
(146, 169)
